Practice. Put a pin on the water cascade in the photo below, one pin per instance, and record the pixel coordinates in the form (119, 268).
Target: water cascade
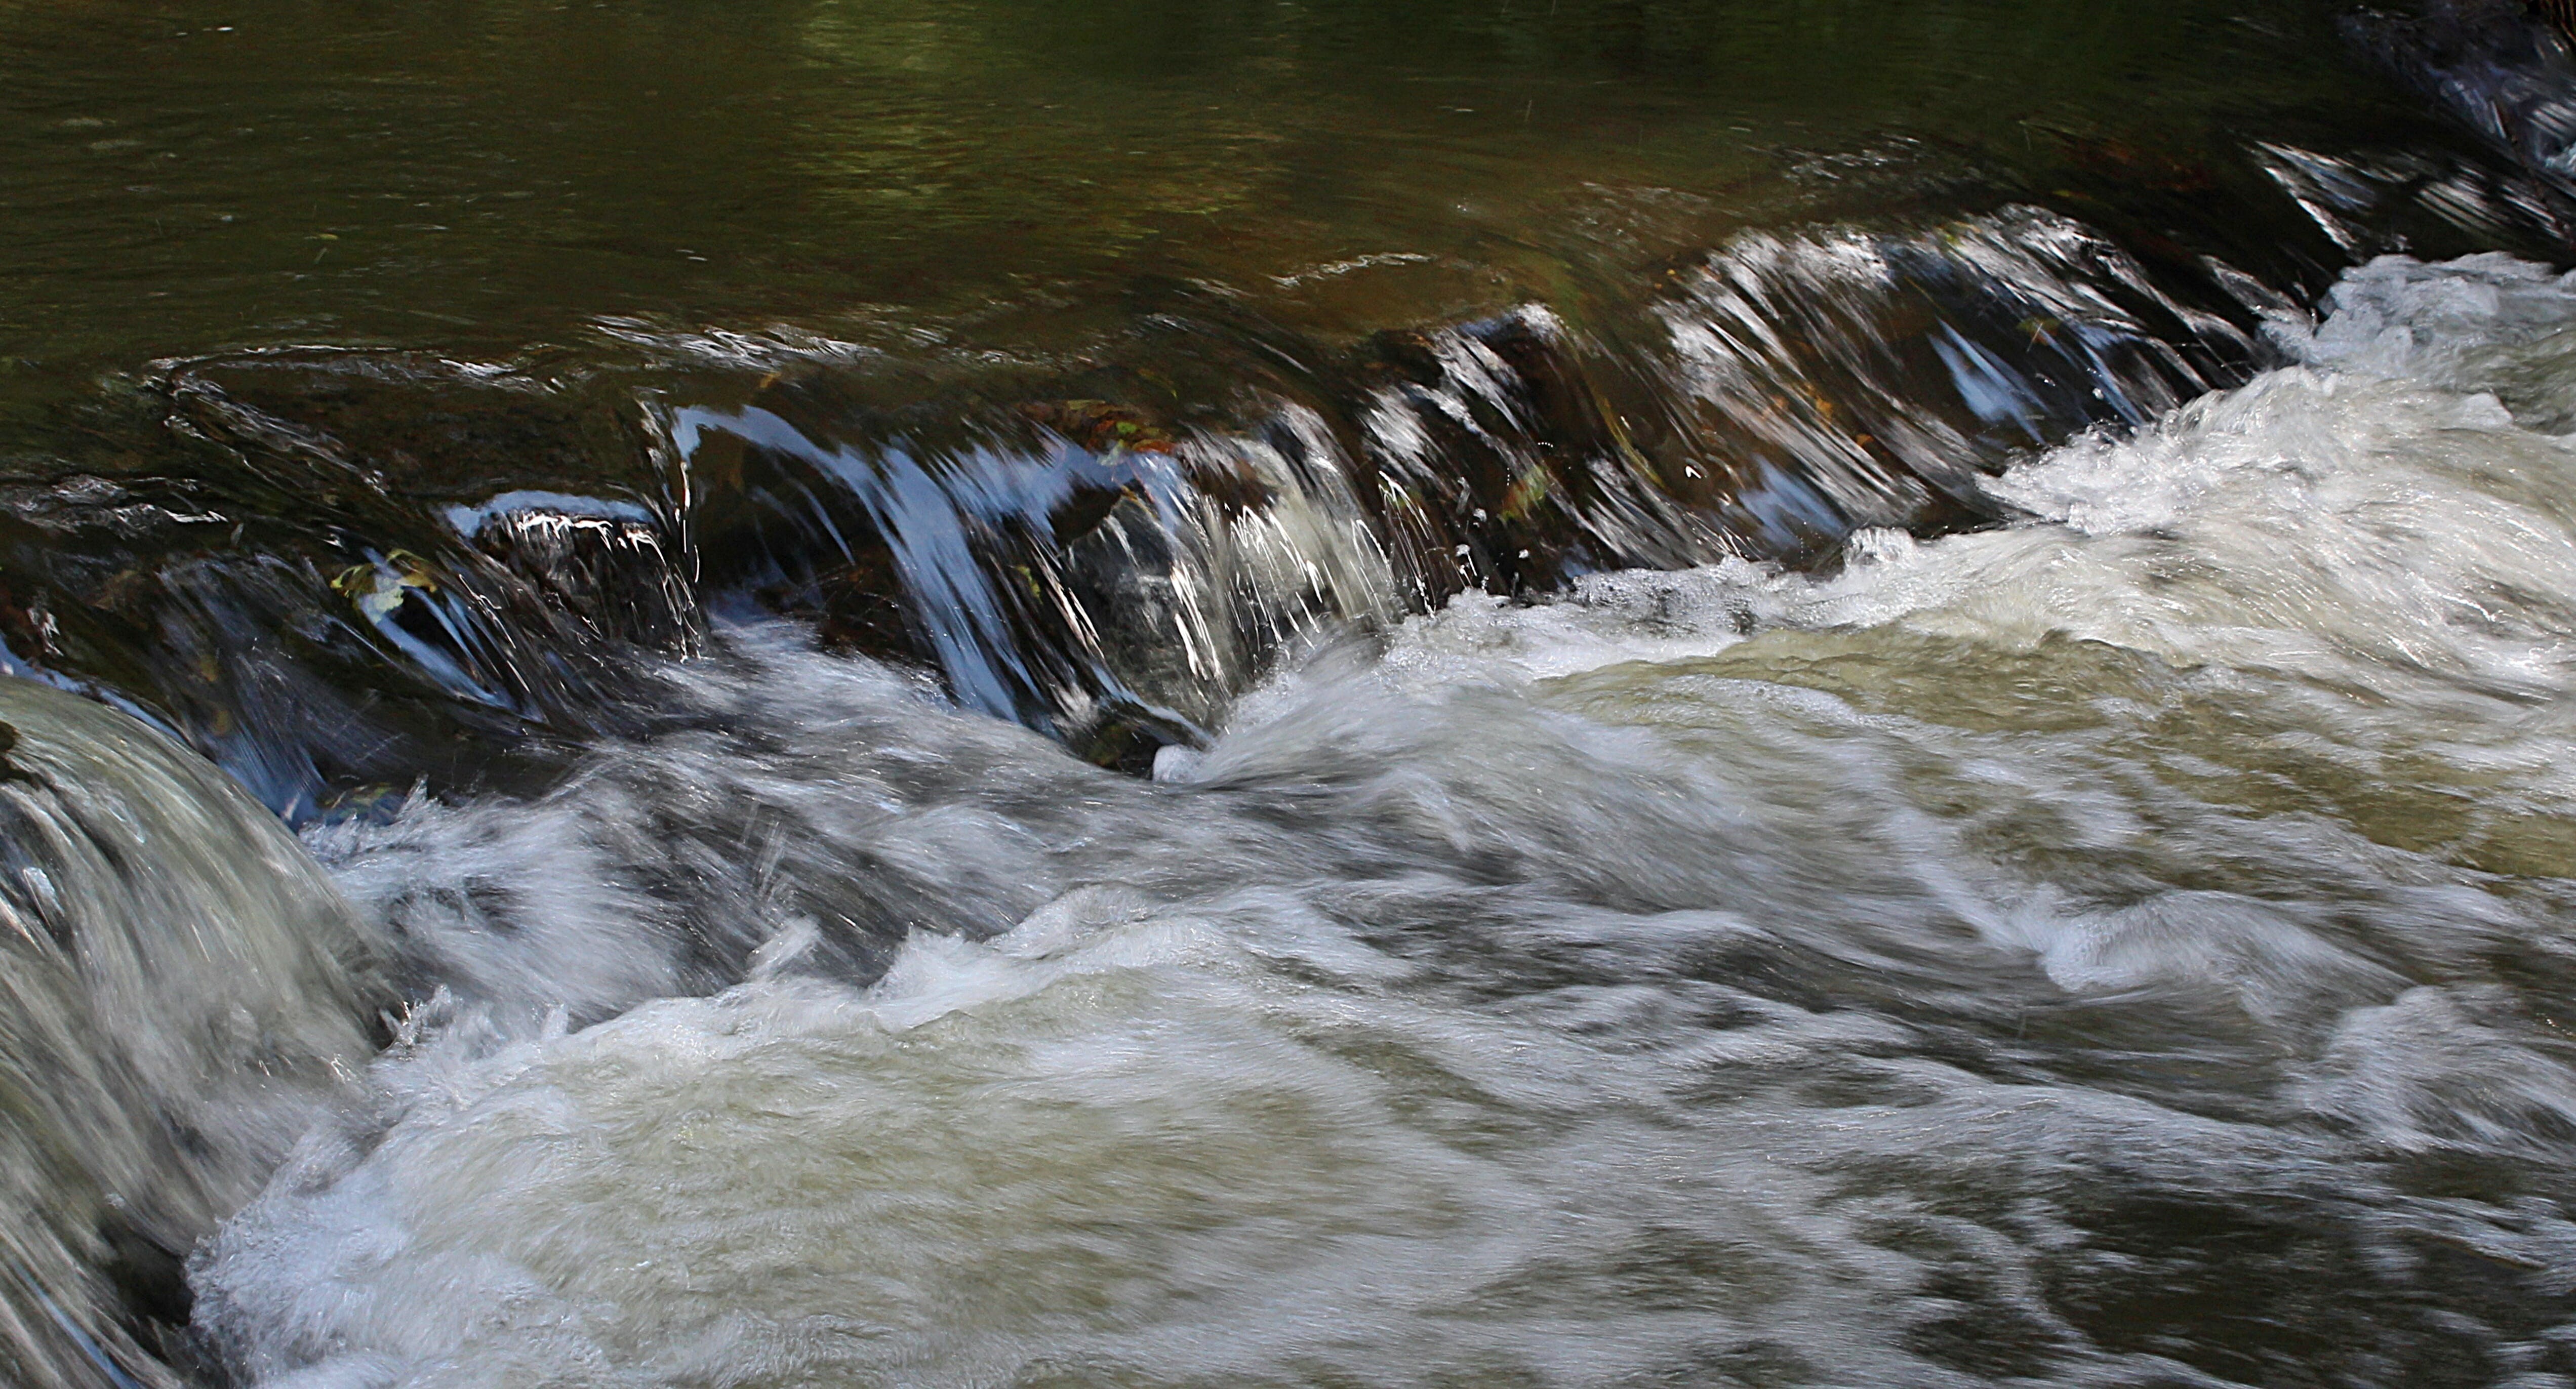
(2014, 954)
(185, 995)
(1044, 692)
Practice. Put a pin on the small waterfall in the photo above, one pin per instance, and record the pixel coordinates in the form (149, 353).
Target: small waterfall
(1816, 365)
(1111, 555)
(346, 570)
(1110, 593)
(365, 568)
(1114, 577)
(180, 996)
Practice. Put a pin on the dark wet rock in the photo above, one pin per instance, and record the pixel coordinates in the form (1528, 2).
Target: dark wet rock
(1130, 582)
(1497, 465)
(614, 568)
(860, 607)
(1101, 425)
(301, 655)
(416, 425)
(11, 771)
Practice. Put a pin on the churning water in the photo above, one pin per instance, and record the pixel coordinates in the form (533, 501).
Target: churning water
(2123, 946)
(1094, 692)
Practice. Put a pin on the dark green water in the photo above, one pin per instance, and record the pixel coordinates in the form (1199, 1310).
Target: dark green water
(478, 177)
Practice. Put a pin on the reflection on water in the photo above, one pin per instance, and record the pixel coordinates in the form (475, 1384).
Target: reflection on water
(285, 171)
(1314, 693)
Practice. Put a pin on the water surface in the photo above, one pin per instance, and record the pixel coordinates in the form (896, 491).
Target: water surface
(1567, 692)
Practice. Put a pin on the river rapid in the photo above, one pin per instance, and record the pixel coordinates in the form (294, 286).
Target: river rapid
(2122, 946)
(988, 693)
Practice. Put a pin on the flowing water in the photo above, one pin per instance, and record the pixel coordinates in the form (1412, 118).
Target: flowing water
(1015, 692)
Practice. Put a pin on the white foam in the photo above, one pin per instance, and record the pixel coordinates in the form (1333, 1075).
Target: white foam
(1652, 982)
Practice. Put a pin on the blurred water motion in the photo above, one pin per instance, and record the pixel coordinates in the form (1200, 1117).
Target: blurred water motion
(1029, 692)
(180, 993)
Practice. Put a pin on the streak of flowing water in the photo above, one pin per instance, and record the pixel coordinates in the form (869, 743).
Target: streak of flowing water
(2124, 946)
(179, 986)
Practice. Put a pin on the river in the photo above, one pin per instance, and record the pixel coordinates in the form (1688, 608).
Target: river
(1016, 692)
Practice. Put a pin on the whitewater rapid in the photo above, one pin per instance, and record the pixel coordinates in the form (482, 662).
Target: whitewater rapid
(2124, 946)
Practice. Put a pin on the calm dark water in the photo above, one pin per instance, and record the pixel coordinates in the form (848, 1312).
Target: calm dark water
(492, 176)
(1547, 692)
